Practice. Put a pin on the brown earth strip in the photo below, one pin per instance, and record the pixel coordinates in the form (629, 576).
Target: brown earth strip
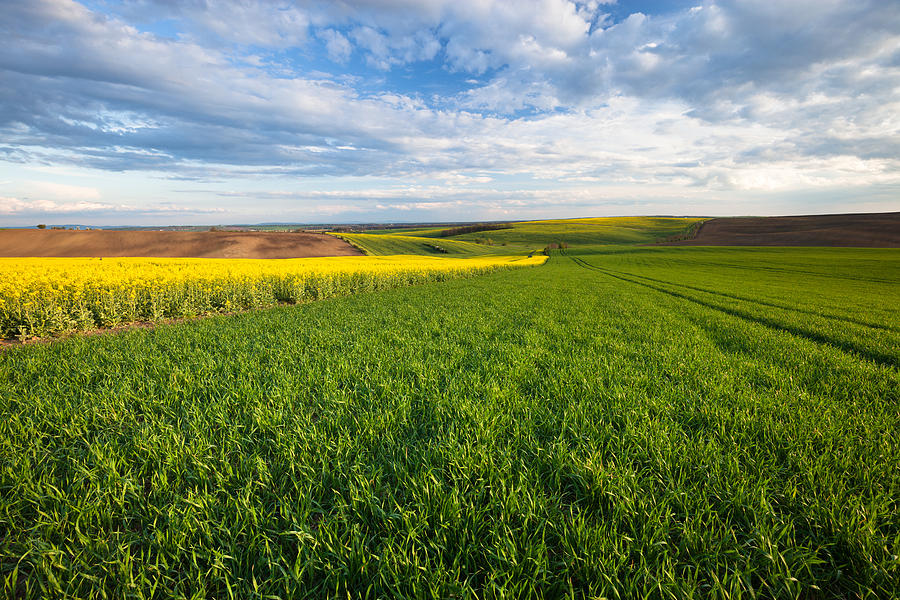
(875, 230)
(170, 244)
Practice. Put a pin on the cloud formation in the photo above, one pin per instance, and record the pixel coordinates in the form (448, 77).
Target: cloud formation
(722, 99)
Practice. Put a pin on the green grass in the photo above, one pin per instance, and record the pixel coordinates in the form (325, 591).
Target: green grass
(620, 423)
(389, 244)
(537, 234)
(850, 303)
(409, 231)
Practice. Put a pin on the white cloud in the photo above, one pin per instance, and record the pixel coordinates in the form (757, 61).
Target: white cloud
(13, 206)
(260, 23)
(338, 46)
(384, 51)
(61, 191)
(25, 206)
(730, 96)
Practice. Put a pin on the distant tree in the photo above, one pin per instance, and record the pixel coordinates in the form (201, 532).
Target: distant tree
(42, 226)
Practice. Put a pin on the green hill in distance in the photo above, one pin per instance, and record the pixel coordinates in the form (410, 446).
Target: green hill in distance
(525, 236)
(388, 244)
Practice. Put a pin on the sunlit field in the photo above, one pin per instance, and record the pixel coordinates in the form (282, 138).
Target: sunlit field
(623, 421)
(610, 230)
(44, 296)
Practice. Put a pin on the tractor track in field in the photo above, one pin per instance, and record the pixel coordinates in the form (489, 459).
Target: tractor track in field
(846, 347)
(789, 271)
(769, 304)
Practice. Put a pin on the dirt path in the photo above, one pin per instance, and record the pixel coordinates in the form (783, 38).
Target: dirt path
(197, 244)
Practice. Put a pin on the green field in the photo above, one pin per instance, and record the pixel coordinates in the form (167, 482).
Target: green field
(529, 234)
(622, 422)
(390, 244)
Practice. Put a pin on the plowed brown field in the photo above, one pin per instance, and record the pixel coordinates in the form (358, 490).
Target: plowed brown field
(199, 244)
(876, 230)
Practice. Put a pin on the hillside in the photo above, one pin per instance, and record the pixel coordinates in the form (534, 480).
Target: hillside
(877, 230)
(538, 234)
(169, 244)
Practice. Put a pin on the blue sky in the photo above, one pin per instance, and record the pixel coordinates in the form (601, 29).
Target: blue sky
(226, 111)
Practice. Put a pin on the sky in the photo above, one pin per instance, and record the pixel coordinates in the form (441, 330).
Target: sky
(162, 112)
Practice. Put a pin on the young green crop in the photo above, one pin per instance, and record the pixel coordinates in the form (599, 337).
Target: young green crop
(389, 245)
(590, 428)
(537, 234)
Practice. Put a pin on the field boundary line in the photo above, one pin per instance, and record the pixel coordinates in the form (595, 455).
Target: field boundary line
(846, 347)
(764, 303)
(786, 270)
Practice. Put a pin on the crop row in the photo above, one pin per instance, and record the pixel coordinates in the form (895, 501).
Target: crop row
(40, 297)
(536, 433)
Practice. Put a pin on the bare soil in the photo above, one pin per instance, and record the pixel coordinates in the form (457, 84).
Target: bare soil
(173, 244)
(874, 230)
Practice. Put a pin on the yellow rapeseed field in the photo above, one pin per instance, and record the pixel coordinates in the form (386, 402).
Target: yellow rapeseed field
(45, 296)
